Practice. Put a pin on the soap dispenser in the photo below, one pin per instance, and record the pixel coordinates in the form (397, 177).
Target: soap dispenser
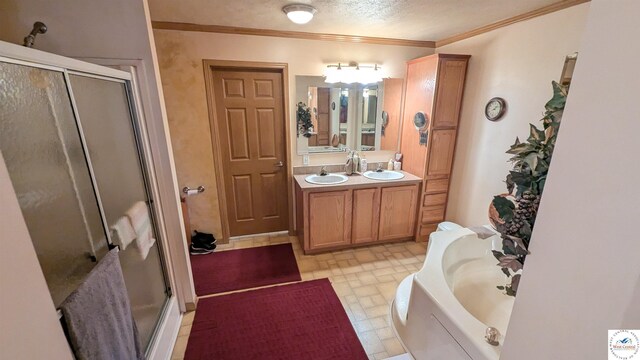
(390, 164)
(363, 163)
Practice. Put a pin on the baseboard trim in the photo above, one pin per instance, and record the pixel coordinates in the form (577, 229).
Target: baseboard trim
(191, 306)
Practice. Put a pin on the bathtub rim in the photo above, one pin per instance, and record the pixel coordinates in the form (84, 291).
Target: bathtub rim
(431, 280)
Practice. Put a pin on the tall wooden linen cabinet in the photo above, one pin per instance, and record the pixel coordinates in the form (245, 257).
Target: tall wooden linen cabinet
(434, 86)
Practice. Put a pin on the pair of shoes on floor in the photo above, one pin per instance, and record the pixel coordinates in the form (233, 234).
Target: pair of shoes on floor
(202, 243)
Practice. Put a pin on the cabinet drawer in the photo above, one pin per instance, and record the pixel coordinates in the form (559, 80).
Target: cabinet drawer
(432, 214)
(436, 186)
(434, 199)
(426, 230)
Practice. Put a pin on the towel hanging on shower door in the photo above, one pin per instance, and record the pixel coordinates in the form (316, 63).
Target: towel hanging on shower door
(140, 220)
(98, 315)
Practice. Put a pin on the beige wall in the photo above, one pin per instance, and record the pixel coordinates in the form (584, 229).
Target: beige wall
(180, 55)
(517, 63)
(583, 275)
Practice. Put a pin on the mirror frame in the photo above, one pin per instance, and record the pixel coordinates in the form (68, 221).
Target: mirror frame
(303, 82)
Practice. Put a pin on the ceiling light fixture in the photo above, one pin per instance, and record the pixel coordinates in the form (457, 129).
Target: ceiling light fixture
(299, 13)
(353, 73)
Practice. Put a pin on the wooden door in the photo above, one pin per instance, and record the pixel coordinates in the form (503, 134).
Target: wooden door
(398, 212)
(251, 127)
(324, 120)
(329, 219)
(366, 211)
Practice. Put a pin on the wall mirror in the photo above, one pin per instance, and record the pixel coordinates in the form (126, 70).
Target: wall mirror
(350, 116)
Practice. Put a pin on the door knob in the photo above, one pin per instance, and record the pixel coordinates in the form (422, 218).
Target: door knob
(279, 164)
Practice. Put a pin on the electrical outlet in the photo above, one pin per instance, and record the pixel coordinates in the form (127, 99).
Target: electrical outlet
(305, 160)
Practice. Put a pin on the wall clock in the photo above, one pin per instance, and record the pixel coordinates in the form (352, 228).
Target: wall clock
(495, 109)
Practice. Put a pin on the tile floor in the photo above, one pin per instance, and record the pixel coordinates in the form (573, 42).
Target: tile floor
(365, 280)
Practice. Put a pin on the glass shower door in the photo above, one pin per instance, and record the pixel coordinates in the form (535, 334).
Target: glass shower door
(41, 146)
(105, 119)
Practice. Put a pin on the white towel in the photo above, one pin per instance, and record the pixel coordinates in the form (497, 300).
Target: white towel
(138, 215)
(144, 242)
(122, 233)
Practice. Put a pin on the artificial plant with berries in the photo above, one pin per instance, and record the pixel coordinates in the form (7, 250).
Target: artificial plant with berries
(303, 119)
(514, 214)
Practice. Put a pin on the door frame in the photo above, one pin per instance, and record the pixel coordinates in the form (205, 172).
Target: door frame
(209, 66)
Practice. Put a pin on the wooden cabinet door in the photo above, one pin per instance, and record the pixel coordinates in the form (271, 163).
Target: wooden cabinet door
(443, 143)
(329, 219)
(451, 75)
(398, 212)
(366, 212)
(419, 96)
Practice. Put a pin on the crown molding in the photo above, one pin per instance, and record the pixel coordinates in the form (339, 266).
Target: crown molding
(510, 21)
(167, 25)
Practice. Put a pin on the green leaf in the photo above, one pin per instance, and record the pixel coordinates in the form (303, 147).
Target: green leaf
(504, 207)
(506, 271)
(515, 282)
(559, 98)
(511, 262)
(497, 254)
(517, 149)
(541, 184)
(518, 241)
(525, 230)
(532, 160)
(500, 287)
(510, 184)
(549, 132)
(509, 248)
(535, 134)
(522, 180)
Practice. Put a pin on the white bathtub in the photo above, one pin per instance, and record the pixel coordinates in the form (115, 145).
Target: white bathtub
(443, 311)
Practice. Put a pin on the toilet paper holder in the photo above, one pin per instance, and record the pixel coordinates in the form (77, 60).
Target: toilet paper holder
(188, 191)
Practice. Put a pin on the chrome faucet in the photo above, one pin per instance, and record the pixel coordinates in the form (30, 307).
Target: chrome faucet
(323, 171)
(492, 335)
(379, 168)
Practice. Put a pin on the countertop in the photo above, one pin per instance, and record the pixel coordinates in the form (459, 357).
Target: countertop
(357, 181)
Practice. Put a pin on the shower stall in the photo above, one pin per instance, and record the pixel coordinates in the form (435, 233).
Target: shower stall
(72, 143)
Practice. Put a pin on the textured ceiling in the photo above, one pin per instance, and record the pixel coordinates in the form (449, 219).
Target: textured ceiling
(401, 19)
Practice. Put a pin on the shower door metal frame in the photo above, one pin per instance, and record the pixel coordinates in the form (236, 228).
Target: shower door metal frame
(67, 66)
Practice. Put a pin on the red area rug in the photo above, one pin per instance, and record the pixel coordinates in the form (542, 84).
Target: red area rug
(303, 321)
(244, 269)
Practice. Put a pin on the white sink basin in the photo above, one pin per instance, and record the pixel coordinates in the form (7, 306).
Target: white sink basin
(383, 175)
(329, 179)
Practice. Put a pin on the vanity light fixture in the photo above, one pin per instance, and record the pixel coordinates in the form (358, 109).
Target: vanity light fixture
(299, 13)
(353, 73)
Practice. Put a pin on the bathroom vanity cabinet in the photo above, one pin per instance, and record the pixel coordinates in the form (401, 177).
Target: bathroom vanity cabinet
(358, 212)
(434, 87)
